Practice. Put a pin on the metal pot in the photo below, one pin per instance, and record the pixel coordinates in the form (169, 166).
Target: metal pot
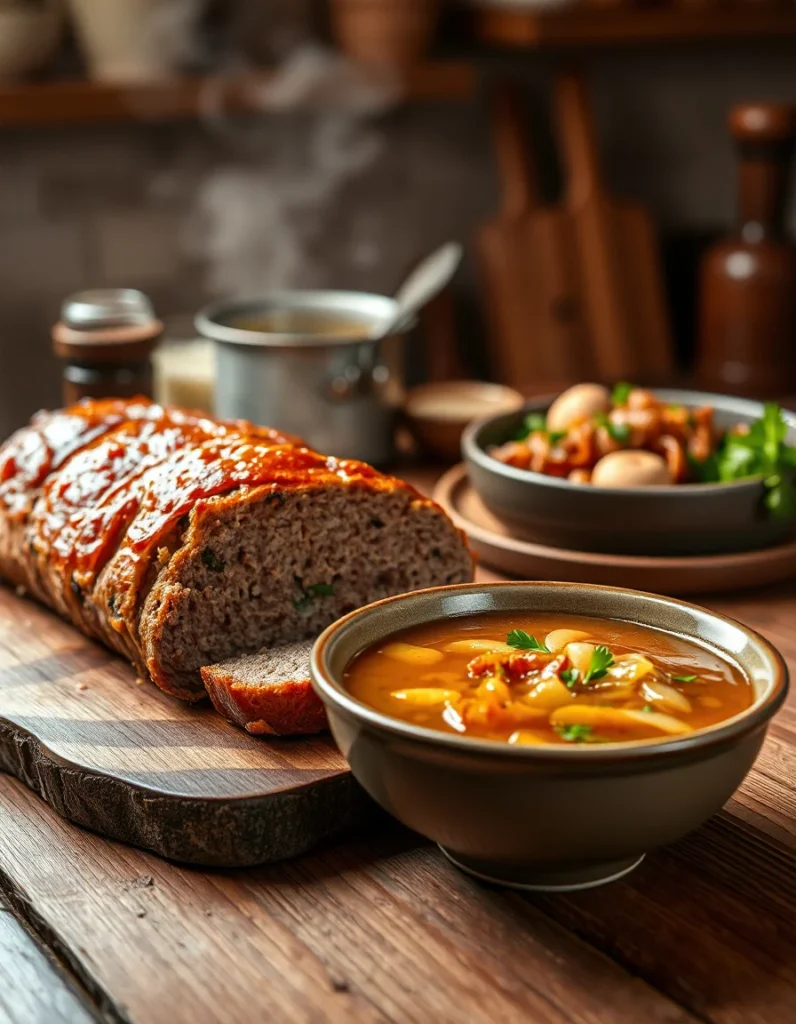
(300, 361)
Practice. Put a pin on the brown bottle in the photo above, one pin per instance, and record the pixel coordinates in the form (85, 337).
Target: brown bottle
(747, 317)
(105, 339)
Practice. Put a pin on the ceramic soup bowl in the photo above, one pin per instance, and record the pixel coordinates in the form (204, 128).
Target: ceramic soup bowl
(557, 816)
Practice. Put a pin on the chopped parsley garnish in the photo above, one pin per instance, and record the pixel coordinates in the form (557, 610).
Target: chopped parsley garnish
(761, 451)
(684, 679)
(320, 589)
(525, 642)
(601, 661)
(533, 423)
(570, 676)
(648, 709)
(621, 392)
(573, 733)
(211, 560)
(557, 435)
(619, 432)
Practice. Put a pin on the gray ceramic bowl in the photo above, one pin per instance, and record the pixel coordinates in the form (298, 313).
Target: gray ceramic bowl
(546, 817)
(684, 520)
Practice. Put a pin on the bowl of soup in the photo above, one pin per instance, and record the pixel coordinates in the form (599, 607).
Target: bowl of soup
(547, 735)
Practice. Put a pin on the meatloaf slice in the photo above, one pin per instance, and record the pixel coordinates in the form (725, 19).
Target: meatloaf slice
(278, 563)
(268, 693)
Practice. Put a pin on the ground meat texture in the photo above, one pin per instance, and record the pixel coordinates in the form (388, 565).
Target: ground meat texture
(269, 693)
(221, 540)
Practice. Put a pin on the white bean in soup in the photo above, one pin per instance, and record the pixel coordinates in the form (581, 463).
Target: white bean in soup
(580, 402)
(544, 678)
(631, 468)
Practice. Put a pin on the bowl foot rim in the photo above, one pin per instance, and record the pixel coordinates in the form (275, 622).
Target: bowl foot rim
(530, 880)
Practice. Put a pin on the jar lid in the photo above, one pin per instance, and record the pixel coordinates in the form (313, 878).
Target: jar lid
(107, 307)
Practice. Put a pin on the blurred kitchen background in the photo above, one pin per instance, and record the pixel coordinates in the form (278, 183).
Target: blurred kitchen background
(203, 149)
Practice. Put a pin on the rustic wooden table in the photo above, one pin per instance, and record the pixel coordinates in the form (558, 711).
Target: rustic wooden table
(382, 928)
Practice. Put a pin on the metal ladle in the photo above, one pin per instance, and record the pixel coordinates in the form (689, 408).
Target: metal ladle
(426, 281)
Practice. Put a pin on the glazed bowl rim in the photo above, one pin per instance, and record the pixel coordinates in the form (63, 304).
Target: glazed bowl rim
(472, 451)
(332, 691)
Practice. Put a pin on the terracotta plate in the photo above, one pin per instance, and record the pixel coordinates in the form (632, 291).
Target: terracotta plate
(499, 548)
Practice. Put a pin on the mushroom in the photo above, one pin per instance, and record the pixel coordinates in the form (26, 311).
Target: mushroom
(631, 468)
(580, 402)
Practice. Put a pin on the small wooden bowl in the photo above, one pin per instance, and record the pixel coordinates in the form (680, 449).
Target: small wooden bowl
(437, 414)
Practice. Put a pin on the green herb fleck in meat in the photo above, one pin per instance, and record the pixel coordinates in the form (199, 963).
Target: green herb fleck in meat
(304, 602)
(212, 561)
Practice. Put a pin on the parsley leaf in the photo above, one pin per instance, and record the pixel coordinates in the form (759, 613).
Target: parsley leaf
(531, 424)
(601, 661)
(648, 709)
(684, 679)
(621, 392)
(320, 589)
(570, 676)
(525, 642)
(761, 451)
(619, 432)
(557, 435)
(573, 733)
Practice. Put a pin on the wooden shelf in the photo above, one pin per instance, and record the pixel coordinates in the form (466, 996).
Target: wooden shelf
(72, 101)
(592, 28)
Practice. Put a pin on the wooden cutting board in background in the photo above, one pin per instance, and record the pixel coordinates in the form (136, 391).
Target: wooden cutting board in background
(621, 281)
(528, 267)
(132, 763)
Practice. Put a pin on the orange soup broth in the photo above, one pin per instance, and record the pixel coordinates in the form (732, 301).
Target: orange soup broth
(719, 692)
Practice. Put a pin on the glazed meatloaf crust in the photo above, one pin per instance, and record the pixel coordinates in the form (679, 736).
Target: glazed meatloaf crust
(182, 541)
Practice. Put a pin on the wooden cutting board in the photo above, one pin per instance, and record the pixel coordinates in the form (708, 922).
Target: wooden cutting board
(128, 761)
(528, 264)
(621, 281)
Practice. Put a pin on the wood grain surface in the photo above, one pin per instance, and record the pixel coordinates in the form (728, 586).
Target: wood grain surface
(132, 763)
(380, 928)
(32, 988)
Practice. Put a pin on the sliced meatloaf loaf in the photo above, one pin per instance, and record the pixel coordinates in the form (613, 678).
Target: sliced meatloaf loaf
(181, 541)
(268, 693)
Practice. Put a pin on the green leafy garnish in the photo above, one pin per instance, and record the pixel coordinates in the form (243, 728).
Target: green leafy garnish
(557, 435)
(570, 676)
(601, 661)
(684, 679)
(619, 432)
(648, 709)
(525, 642)
(621, 392)
(762, 451)
(573, 733)
(320, 589)
(531, 424)
(212, 561)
